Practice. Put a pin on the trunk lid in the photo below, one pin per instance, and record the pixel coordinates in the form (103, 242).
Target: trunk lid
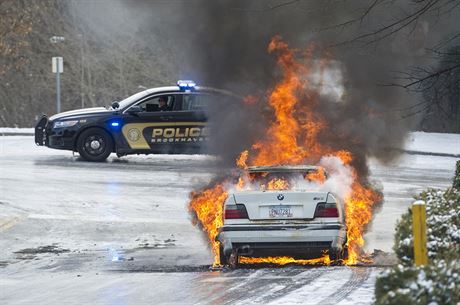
(275, 205)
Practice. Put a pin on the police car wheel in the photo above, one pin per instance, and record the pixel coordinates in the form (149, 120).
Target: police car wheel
(94, 145)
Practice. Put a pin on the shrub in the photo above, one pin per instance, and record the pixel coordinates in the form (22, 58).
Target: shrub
(456, 183)
(443, 226)
(438, 283)
(404, 243)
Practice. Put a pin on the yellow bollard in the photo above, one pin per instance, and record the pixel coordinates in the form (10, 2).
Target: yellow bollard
(419, 231)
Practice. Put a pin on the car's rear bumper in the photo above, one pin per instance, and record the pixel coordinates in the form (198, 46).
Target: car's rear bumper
(282, 239)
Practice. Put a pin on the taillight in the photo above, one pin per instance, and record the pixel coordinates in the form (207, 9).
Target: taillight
(237, 211)
(326, 210)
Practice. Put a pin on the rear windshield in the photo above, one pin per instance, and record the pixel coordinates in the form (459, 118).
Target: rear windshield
(287, 180)
(310, 175)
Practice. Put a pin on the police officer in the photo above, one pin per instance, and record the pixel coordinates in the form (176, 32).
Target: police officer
(163, 103)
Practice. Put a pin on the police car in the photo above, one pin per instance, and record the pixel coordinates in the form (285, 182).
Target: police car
(159, 120)
(298, 222)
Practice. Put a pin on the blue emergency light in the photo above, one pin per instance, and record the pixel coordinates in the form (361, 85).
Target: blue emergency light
(115, 125)
(186, 84)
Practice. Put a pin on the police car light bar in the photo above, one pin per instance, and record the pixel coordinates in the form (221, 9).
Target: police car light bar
(186, 84)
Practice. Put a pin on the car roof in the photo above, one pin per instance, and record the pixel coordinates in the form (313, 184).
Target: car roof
(283, 168)
(196, 89)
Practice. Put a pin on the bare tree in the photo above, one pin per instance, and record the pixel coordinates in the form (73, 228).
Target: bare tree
(97, 69)
(438, 83)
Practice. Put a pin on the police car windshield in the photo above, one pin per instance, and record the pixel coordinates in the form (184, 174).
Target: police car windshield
(131, 99)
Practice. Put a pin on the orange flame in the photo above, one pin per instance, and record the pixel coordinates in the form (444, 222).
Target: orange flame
(318, 176)
(358, 211)
(345, 156)
(294, 137)
(277, 184)
(208, 209)
(284, 260)
(241, 161)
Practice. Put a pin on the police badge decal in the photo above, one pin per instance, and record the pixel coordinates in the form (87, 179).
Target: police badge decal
(134, 134)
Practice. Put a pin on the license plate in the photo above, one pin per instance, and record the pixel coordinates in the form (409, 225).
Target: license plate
(280, 212)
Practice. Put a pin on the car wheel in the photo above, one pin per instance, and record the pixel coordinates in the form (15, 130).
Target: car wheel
(233, 259)
(95, 145)
(333, 255)
(345, 253)
(337, 256)
(223, 259)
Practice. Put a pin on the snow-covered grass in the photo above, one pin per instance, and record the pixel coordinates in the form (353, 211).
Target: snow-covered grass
(445, 143)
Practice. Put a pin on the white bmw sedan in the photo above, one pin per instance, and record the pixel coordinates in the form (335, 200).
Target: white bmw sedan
(301, 223)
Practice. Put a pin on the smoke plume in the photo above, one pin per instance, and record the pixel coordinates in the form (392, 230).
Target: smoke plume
(223, 44)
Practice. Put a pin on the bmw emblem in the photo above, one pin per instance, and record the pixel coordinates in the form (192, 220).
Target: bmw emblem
(280, 197)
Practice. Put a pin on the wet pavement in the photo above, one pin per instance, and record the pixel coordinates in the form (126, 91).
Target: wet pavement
(118, 232)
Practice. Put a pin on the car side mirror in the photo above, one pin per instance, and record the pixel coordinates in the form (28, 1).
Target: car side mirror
(134, 109)
(115, 105)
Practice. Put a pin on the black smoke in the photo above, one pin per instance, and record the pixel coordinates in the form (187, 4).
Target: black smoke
(227, 44)
(223, 44)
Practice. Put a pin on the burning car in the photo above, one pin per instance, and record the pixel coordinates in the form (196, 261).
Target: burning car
(254, 216)
(274, 221)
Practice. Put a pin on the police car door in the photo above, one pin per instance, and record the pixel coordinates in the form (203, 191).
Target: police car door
(192, 132)
(152, 129)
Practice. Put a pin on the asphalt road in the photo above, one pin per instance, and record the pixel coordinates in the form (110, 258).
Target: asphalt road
(119, 232)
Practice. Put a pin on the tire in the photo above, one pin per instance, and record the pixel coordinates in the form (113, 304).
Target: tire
(345, 253)
(223, 259)
(95, 145)
(337, 256)
(333, 255)
(233, 259)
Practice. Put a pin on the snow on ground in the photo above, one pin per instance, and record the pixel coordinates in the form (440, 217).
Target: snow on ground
(447, 143)
(356, 288)
(418, 141)
(400, 181)
(16, 131)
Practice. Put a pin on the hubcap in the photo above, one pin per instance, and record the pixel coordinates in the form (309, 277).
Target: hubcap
(95, 144)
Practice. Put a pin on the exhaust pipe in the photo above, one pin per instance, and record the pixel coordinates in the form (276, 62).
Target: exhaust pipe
(228, 247)
(243, 250)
